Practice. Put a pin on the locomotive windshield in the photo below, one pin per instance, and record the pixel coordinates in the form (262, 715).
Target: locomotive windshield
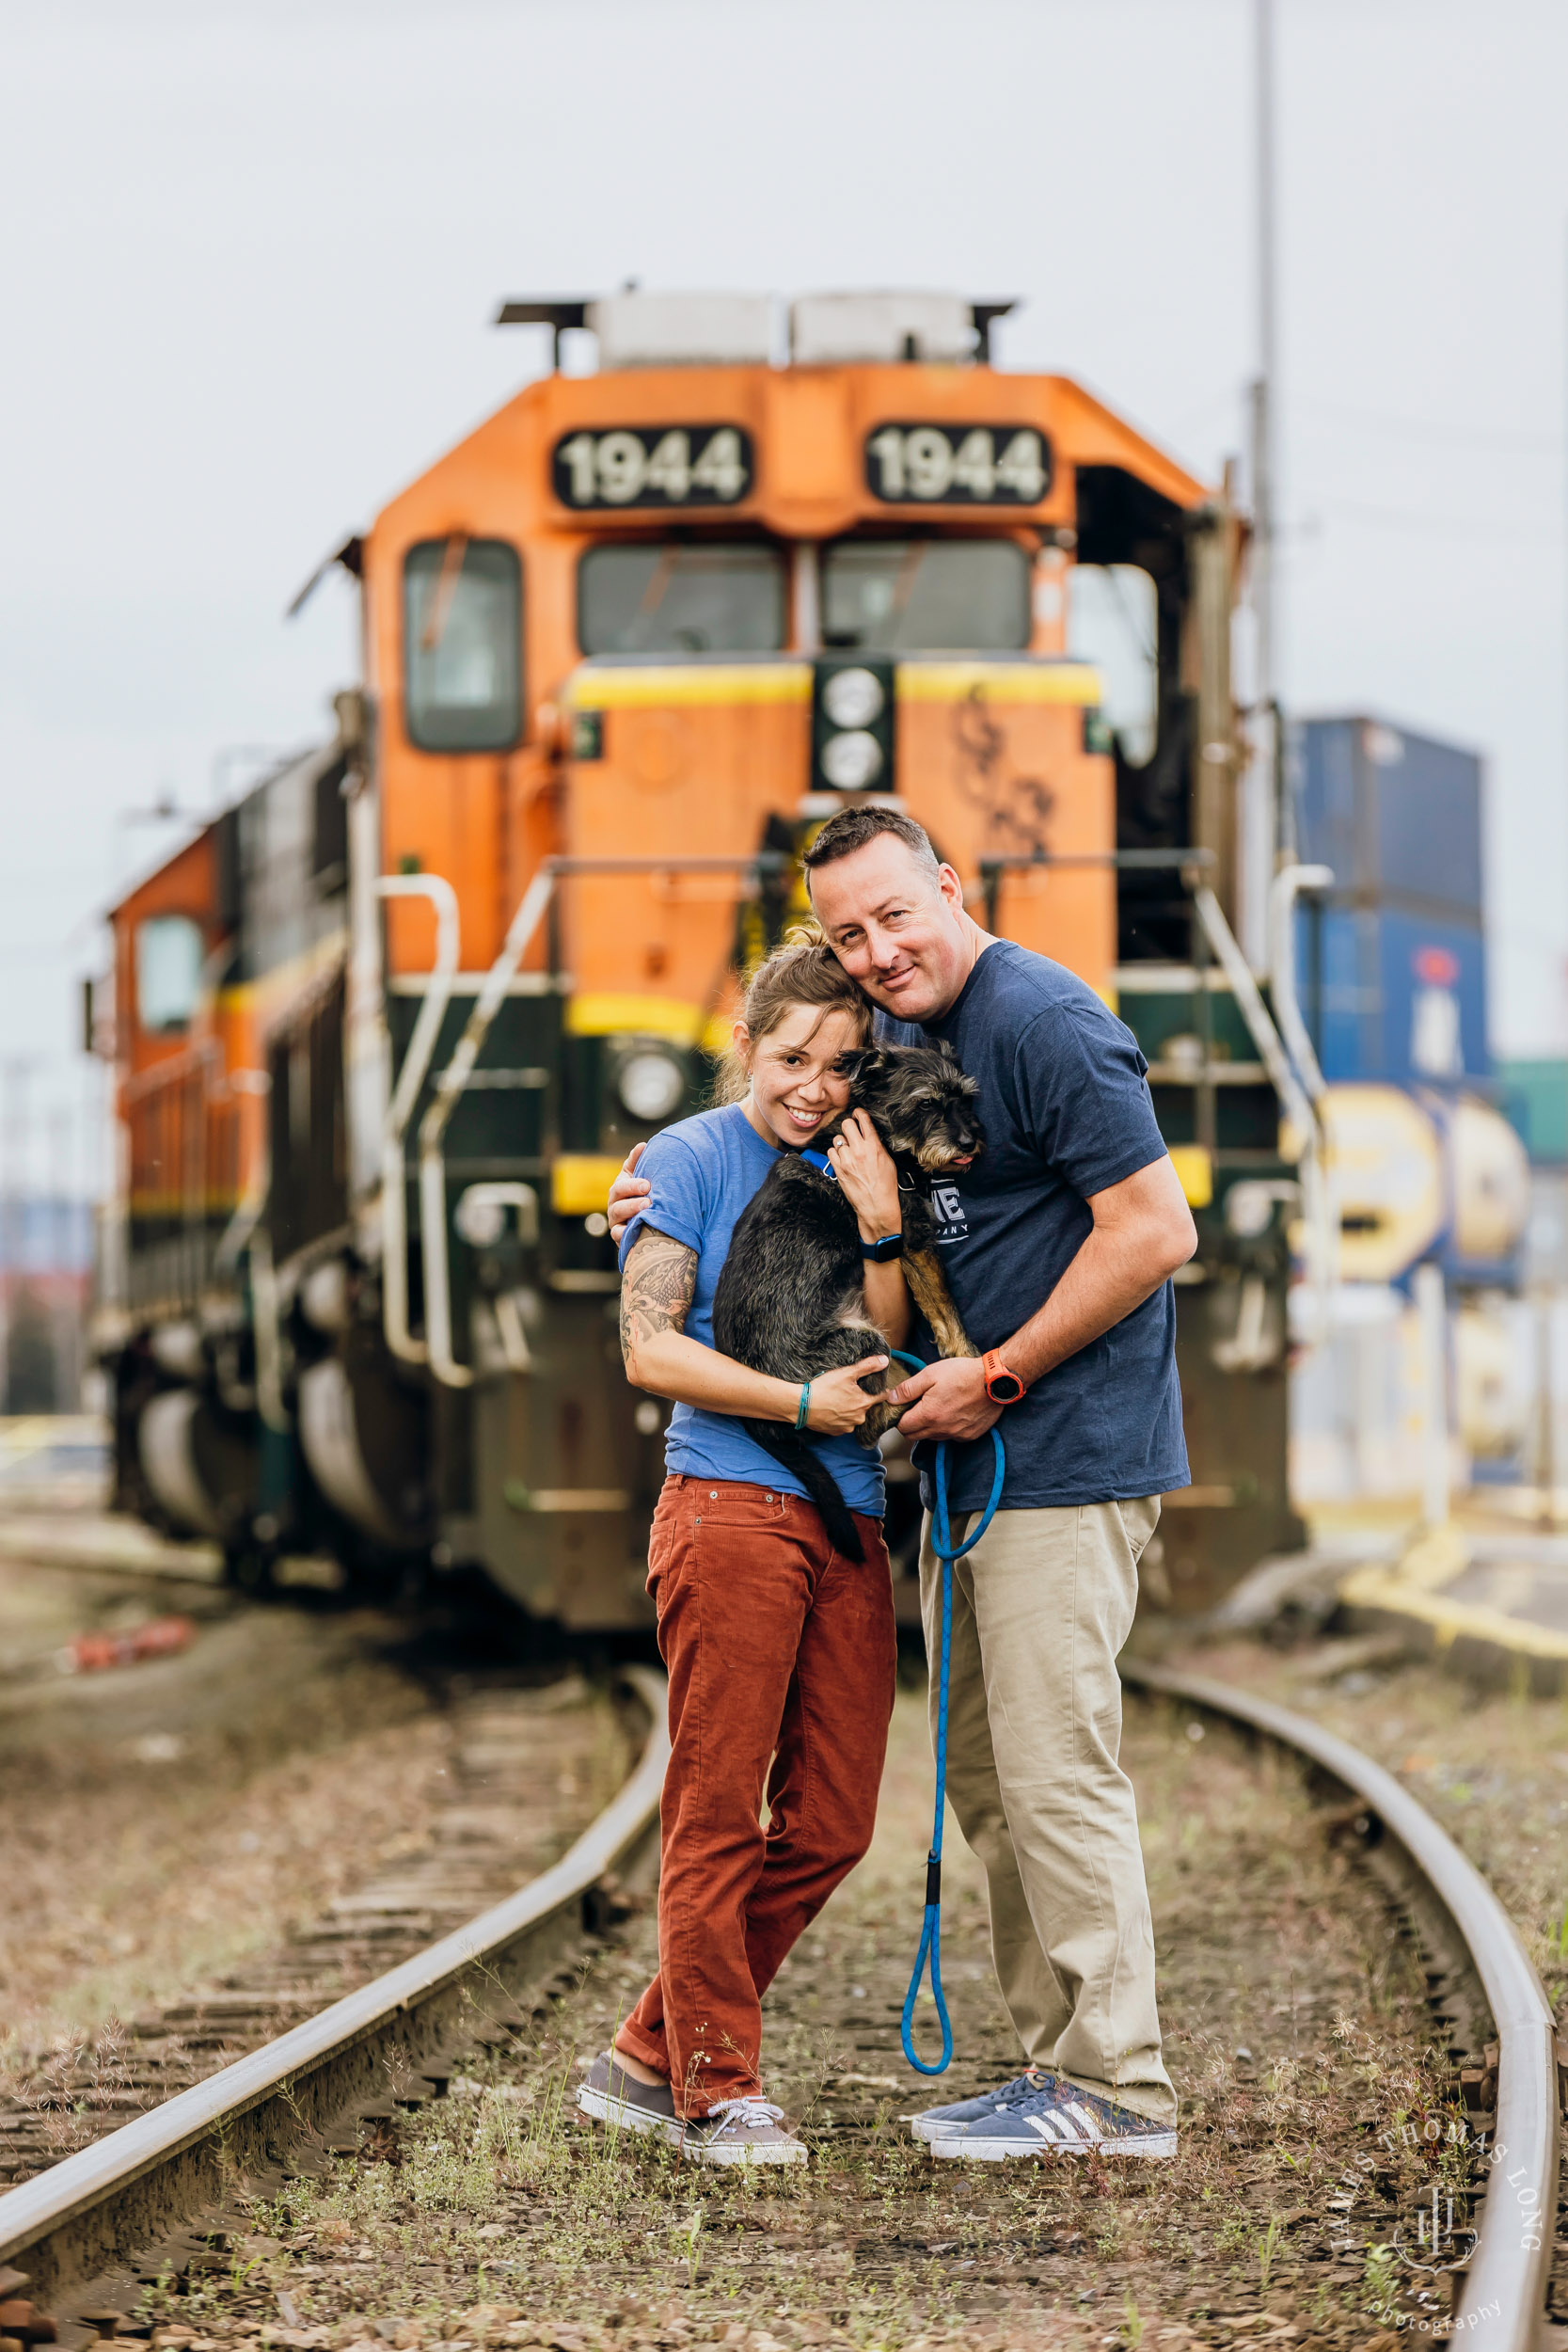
(169, 953)
(1113, 621)
(925, 595)
(461, 616)
(682, 597)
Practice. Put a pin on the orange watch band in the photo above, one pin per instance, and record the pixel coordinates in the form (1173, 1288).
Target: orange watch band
(1002, 1385)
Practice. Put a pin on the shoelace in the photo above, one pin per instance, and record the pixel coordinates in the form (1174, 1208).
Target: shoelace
(1024, 2087)
(735, 2114)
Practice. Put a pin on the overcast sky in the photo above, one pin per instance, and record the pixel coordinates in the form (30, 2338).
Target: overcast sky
(250, 252)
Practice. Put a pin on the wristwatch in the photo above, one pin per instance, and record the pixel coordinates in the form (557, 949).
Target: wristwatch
(1003, 1386)
(890, 1246)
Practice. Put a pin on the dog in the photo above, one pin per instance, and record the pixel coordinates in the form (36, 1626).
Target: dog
(791, 1298)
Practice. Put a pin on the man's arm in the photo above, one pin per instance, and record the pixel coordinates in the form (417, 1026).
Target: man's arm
(1143, 1230)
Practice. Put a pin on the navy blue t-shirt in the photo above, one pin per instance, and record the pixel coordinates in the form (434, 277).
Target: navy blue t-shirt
(1066, 1113)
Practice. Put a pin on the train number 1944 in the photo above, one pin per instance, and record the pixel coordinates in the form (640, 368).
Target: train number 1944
(682, 465)
(958, 464)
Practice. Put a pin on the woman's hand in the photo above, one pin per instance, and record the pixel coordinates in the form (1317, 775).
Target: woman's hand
(838, 1403)
(869, 1179)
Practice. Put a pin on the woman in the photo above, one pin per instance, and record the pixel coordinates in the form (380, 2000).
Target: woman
(778, 1647)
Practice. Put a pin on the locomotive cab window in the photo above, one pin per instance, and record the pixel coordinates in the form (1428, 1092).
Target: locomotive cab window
(682, 597)
(169, 952)
(462, 614)
(1113, 621)
(925, 595)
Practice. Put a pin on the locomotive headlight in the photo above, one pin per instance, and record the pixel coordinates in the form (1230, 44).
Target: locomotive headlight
(852, 761)
(853, 698)
(650, 1085)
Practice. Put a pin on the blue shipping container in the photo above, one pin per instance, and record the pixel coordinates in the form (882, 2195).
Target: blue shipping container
(1393, 995)
(1395, 814)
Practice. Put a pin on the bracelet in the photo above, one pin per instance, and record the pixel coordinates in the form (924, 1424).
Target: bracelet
(805, 1405)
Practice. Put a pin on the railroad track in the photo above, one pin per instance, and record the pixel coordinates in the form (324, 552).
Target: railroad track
(1480, 1984)
(395, 2042)
(81, 2236)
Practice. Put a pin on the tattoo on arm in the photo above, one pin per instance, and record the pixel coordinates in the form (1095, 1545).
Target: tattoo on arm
(656, 1287)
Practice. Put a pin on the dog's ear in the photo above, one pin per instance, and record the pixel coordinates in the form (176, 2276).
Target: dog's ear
(861, 1062)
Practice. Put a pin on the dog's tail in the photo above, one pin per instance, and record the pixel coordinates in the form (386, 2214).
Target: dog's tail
(796, 1454)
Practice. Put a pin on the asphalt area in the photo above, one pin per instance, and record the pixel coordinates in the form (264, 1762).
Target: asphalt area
(1297, 2036)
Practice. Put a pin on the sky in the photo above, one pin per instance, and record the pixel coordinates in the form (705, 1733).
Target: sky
(252, 250)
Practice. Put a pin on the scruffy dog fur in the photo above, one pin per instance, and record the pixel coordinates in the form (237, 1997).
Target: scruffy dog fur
(791, 1298)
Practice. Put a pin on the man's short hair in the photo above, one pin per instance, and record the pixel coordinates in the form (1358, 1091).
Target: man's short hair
(852, 828)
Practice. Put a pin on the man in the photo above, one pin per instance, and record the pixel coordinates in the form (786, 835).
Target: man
(1058, 1245)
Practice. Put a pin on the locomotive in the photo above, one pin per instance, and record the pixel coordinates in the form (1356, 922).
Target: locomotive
(384, 1030)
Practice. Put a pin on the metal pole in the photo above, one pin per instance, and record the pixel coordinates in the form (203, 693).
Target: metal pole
(1432, 1308)
(1264, 388)
(1260, 844)
(14, 1173)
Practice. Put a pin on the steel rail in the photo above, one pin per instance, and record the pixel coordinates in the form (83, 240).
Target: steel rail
(1502, 2304)
(75, 2223)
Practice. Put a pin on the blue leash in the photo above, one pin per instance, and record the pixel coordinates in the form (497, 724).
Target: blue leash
(930, 1929)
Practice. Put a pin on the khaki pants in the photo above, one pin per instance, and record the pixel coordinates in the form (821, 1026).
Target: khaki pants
(1040, 1609)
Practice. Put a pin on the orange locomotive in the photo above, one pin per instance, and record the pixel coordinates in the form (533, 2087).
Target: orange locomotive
(384, 1030)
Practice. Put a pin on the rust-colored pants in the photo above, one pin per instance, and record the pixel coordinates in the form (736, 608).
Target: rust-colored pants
(776, 1647)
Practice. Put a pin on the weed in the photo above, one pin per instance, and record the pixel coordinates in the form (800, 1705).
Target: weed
(1268, 2246)
(1381, 2279)
(1134, 2326)
(687, 2238)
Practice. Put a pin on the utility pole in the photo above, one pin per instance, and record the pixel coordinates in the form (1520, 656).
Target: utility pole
(1261, 812)
(1263, 386)
(15, 1147)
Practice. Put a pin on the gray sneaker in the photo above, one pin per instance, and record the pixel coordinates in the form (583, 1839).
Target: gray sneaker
(1060, 2119)
(741, 2131)
(934, 2124)
(610, 2096)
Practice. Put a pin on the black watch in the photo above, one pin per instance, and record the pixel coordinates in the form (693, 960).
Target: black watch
(890, 1246)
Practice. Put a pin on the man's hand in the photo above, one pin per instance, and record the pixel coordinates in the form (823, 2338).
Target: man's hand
(952, 1401)
(628, 1195)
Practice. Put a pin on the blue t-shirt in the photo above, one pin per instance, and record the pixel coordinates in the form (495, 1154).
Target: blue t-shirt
(703, 1171)
(1067, 1112)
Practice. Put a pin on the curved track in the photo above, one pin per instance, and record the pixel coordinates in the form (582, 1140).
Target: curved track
(1473, 1955)
(76, 2228)
(82, 2223)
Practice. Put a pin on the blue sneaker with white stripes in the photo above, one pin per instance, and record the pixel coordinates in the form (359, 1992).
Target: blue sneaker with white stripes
(1060, 2117)
(940, 2122)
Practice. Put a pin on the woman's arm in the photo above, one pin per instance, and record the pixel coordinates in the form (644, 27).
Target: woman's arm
(656, 1292)
(870, 1183)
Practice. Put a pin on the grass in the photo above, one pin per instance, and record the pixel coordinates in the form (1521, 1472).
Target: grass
(499, 2202)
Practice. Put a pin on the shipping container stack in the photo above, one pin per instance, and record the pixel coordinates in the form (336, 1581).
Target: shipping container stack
(1391, 962)
(1391, 974)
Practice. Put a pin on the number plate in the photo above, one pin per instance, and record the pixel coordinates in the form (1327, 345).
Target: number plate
(678, 465)
(958, 464)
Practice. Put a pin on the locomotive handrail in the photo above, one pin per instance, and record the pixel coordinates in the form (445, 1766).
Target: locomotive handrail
(400, 1110)
(1298, 1107)
(451, 1081)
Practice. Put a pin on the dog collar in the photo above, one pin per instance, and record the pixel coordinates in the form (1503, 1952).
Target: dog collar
(820, 1160)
